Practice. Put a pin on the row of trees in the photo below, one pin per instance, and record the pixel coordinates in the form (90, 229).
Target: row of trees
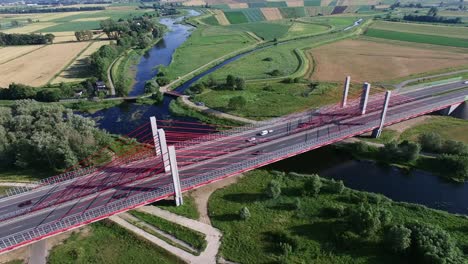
(46, 136)
(84, 35)
(25, 39)
(135, 32)
(29, 10)
(433, 19)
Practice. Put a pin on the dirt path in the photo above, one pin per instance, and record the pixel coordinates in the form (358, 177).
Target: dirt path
(202, 195)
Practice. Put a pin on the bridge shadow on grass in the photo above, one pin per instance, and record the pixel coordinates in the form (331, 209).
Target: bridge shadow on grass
(226, 217)
(245, 197)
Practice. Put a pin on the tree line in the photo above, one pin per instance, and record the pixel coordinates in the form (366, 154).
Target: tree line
(29, 10)
(138, 32)
(46, 136)
(25, 39)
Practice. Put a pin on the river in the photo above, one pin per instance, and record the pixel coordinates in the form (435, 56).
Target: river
(415, 187)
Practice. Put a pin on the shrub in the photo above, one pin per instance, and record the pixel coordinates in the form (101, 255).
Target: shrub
(275, 73)
(336, 186)
(273, 189)
(313, 185)
(163, 81)
(365, 220)
(398, 238)
(454, 147)
(431, 142)
(333, 211)
(237, 102)
(244, 213)
(433, 245)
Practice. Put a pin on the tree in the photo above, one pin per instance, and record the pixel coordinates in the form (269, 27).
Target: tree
(49, 95)
(240, 83)
(244, 213)
(230, 81)
(398, 238)
(313, 185)
(408, 151)
(273, 189)
(151, 87)
(50, 38)
(14, 23)
(453, 166)
(431, 142)
(336, 186)
(433, 11)
(21, 91)
(431, 244)
(84, 35)
(454, 147)
(365, 220)
(237, 102)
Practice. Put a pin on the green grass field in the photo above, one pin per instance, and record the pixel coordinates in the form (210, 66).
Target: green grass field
(265, 30)
(298, 29)
(108, 243)
(23, 175)
(256, 239)
(438, 30)
(206, 43)
(188, 209)
(70, 23)
(236, 17)
(273, 99)
(283, 58)
(418, 38)
(447, 127)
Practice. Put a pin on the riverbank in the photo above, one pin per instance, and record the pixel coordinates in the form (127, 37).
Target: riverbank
(315, 228)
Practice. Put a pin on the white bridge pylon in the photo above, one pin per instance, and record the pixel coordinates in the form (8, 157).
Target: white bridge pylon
(168, 158)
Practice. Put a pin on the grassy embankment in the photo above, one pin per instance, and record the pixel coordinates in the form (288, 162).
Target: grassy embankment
(188, 209)
(206, 44)
(179, 109)
(448, 127)
(108, 243)
(192, 237)
(311, 229)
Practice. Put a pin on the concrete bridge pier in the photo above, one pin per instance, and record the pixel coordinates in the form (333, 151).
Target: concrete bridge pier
(164, 151)
(345, 91)
(364, 97)
(154, 131)
(378, 131)
(175, 176)
(458, 110)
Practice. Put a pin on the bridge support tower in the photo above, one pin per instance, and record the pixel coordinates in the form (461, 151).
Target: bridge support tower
(164, 151)
(364, 97)
(345, 91)
(175, 176)
(154, 131)
(378, 131)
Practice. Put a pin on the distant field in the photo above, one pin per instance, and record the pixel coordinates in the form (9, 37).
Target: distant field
(419, 38)
(334, 22)
(446, 31)
(31, 70)
(204, 45)
(221, 17)
(265, 30)
(9, 53)
(77, 71)
(271, 13)
(236, 17)
(29, 28)
(300, 29)
(373, 61)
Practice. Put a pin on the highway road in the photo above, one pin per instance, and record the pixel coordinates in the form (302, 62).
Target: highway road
(119, 181)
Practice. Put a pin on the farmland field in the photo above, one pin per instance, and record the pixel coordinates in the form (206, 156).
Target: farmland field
(301, 29)
(271, 13)
(29, 69)
(236, 17)
(77, 71)
(265, 30)
(295, 3)
(378, 61)
(446, 31)
(254, 15)
(292, 12)
(222, 19)
(418, 38)
(312, 2)
(9, 53)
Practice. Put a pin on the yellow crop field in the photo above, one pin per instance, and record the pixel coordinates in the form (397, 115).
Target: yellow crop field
(74, 71)
(221, 17)
(10, 53)
(29, 28)
(379, 61)
(271, 13)
(238, 5)
(38, 67)
(91, 19)
(293, 3)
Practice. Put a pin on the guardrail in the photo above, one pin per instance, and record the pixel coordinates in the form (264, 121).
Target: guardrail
(131, 202)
